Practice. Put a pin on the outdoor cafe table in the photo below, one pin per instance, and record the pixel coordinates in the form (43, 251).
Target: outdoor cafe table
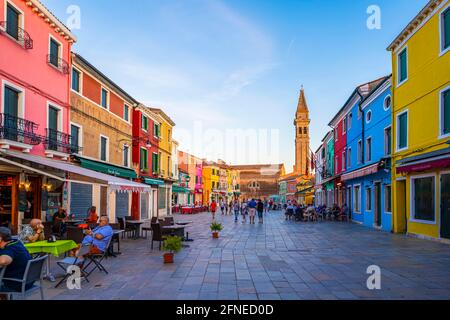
(137, 226)
(52, 248)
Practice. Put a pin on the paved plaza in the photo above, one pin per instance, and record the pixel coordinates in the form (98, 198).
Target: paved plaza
(277, 260)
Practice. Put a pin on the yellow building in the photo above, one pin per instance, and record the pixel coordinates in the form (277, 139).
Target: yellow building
(211, 185)
(421, 124)
(165, 162)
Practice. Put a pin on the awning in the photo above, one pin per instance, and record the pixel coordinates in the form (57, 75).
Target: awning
(106, 168)
(74, 173)
(155, 182)
(424, 165)
(178, 189)
(361, 172)
(310, 189)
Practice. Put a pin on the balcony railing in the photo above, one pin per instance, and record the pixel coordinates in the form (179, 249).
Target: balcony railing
(18, 130)
(58, 63)
(18, 33)
(60, 142)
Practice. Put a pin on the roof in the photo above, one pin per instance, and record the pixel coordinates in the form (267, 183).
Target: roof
(86, 64)
(50, 18)
(302, 106)
(163, 115)
(374, 90)
(364, 90)
(414, 23)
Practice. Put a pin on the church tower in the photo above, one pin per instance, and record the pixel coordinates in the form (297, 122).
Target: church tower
(301, 123)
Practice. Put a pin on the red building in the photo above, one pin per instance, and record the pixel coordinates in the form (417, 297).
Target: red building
(340, 127)
(145, 154)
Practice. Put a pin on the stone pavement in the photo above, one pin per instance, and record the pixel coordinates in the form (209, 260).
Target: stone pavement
(277, 260)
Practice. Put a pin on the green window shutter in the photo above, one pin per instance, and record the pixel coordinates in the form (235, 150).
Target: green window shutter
(12, 26)
(446, 111)
(403, 130)
(446, 23)
(75, 80)
(403, 65)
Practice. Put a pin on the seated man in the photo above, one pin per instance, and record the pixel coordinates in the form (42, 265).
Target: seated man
(14, 256)
(33, 232)
(99, 237)
(59, 219)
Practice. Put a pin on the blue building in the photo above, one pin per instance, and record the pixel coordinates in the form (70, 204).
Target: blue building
(368, 174)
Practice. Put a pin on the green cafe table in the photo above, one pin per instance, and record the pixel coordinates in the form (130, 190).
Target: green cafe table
(52, 248)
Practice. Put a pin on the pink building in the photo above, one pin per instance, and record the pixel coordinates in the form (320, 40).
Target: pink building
(198, 181)
(35, 80)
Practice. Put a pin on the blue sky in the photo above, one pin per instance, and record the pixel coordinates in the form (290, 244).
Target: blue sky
(239, 64)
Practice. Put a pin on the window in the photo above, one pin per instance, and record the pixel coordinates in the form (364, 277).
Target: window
(368, 199)
(344, 160)
(75, 80)
(53, 118)
(423, 198)
(445, 112)
(357, 198)
(387, 103)
(336, 165)
(336, 134)
(156, 130)
(126, 153)
(103, 148)
(445, 29)
(155, 163)
(369, 149)
(126, 113)
(12, 21)
(402, 61)
(305, 130)
(144, 123)
(359, 151)
(11, 104)
(213, 185)
(349, 122)
(402, 131)
(104, 99)
(75, 138)
(162, 197)
(368, 116)
(387, 141)
(344, 126)
(387, 199)
(143, 160)
(349, 157)
(54, 52)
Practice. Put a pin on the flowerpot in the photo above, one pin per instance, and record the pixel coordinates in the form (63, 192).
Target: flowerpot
(168, 257)
(215, 235)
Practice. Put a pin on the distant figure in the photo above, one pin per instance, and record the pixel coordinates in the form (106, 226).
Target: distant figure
(59, 219)
(244, 211)
(260, 209)
(236, 207)
(252, 210)
(213, 208)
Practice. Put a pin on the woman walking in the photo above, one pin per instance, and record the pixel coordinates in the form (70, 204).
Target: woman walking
(260, 209)
(236, 207)
(244, 211)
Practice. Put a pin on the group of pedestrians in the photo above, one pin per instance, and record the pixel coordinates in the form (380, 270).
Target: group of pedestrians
(245, 208)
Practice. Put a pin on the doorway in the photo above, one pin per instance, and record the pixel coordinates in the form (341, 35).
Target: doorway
(377, 204)
(445, 206)
(401, 206)
(349, 202)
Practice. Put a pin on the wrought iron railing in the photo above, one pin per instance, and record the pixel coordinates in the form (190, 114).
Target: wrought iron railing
(17, 33)
(19, 130)
(60, 142)
(58, 63)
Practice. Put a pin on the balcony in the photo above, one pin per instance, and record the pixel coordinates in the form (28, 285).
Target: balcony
(58, 63)
(59, 144)
(18, 132)
(19, 34)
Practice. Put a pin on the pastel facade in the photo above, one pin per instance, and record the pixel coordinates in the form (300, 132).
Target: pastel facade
(34, 106)
(421, 124)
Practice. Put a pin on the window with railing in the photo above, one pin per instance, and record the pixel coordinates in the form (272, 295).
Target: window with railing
(14, 19)
(19, 130)
(58, 141)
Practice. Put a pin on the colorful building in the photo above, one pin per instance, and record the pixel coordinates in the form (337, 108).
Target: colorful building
(165, 162)
(34, 99)
(210, 182)
(368, 174)
(198, 189)
(421, 124)
(145, 156)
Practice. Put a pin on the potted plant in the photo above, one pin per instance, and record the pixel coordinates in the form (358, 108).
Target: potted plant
(216, 228)
(173, 245)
